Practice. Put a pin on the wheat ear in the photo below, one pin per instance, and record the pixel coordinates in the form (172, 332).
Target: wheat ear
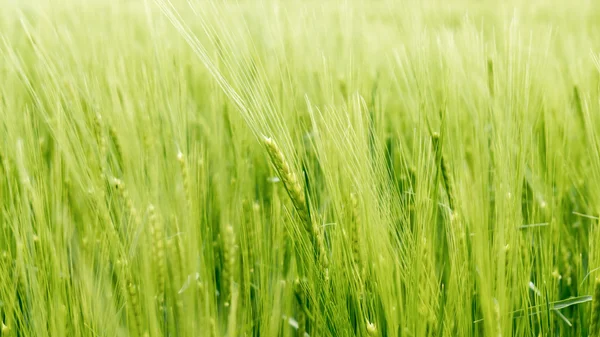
(158, 251)
(444, 169)
(295, 192)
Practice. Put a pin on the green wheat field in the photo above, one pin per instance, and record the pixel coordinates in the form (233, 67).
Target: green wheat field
(299, 168)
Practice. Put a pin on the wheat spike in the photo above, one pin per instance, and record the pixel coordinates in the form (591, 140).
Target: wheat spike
(491, 79)
(158, 250)
(294, 189)
(112, 133)
(355, 232)
(290, 181)
(122, 190)
(444, 169)
(133, 298)
(100, 139)
(185, 174)
(229, 261)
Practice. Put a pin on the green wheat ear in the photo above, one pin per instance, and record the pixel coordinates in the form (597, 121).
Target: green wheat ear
(229, 257)
(296, 194)
(491, 79)
(290, 180)
(356, 236)
(352, 237)
(447, 183)
(158, 250)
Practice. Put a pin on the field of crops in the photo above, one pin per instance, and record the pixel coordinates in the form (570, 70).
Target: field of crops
(299, 168)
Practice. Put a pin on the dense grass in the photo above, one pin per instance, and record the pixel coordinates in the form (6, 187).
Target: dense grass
(274, 168)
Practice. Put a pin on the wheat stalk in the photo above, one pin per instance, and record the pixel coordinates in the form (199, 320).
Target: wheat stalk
(300, 294)
(595, 317)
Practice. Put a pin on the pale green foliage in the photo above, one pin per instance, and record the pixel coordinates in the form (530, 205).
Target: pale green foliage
(264, 168)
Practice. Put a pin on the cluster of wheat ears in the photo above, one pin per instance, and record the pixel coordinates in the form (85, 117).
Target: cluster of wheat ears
(299, 168)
